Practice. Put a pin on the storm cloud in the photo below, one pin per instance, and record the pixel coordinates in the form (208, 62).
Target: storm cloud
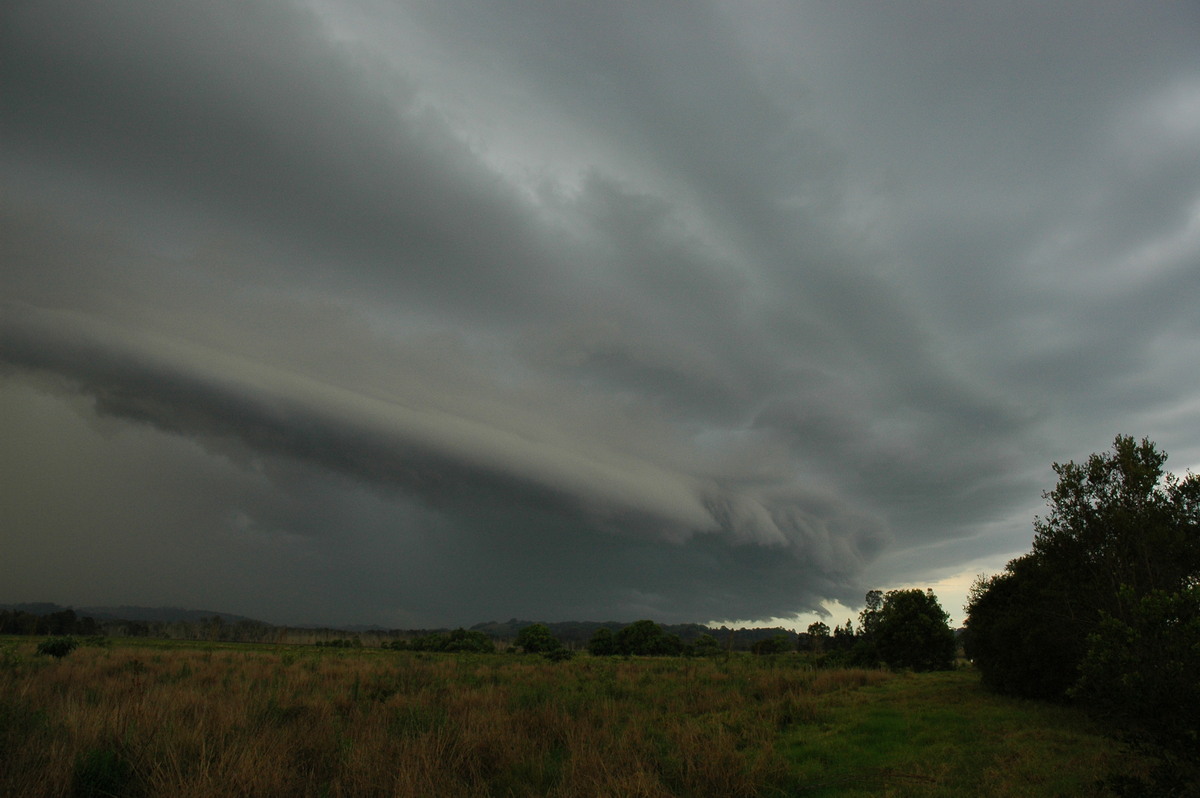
(435, 313)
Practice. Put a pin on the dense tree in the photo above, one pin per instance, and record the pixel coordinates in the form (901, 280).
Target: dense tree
(1118, 529)
(1140, 674)
(706, 646)
(843, 637)
(1016, 632)
(913, 631)
(61, 623)
(776, 644)
(537, 639)
(602, 643)
(457, 641)
(646, 638)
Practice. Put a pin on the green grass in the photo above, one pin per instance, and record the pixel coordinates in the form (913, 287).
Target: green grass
(941, 734)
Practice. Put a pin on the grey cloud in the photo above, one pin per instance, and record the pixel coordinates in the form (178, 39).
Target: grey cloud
(225, 107)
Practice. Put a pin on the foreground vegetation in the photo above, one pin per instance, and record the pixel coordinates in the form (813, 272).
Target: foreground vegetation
(201, 719)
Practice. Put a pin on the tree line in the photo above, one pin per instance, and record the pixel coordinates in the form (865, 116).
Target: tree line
(62, 622)
(902, 629)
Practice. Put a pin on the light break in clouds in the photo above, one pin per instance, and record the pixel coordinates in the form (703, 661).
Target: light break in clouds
(433, 313)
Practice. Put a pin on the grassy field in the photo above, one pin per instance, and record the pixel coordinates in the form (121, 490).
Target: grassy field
(147, 719)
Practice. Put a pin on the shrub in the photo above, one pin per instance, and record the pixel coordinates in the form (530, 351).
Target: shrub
(57, 647)
(9, 657)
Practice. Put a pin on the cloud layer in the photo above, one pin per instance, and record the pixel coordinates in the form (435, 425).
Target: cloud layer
(435, 313)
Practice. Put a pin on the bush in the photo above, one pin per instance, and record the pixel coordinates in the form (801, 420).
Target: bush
(558, 654)
(57, 647)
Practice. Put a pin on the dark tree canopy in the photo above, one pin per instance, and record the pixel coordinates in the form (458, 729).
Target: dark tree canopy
(603, 643)
(1118, 528)
(913, 631)
(537, 639)
(646, 638)
(1143, 671)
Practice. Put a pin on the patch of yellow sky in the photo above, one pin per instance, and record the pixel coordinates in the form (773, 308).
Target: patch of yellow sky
(951, 592)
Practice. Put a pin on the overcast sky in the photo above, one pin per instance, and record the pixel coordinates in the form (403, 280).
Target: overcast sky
(432, 313)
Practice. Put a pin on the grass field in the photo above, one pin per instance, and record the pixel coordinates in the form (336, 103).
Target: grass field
(151, 719)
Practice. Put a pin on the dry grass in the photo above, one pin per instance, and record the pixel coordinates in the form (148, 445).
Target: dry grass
(190, 722)
(152, 719)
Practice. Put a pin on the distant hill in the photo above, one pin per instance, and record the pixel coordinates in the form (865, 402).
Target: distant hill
(129, 613)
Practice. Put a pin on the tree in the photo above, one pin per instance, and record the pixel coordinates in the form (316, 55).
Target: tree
(706, 646)
(537, 639)
(843, 637)
(647, 638)
(818, 636)
(1015, 633)
(868, 619)
(61, 623)
(458, 641)
(469, 640)
(1118, 529)
(912, 631)
(602, 643)
(775, 644)
(1119, 520)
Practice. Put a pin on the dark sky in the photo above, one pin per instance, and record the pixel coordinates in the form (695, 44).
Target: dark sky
(430, 313)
